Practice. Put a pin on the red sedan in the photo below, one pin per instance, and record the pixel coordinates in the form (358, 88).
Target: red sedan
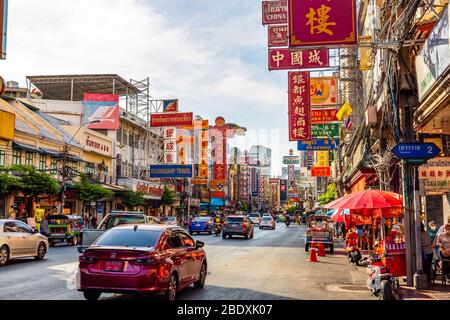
(142, 259)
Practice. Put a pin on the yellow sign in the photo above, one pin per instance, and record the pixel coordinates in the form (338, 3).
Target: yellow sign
(323, 159)
(7, 121)
(366, 53)
(437, 141)
(324, 91)
(39, 215)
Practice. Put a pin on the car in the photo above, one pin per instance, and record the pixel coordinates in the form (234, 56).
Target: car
(201, 224)
(171, 221)
(18, 240)
(153, 220)
(142, 259)
(237, 225)
(255, 218)
(267, 222)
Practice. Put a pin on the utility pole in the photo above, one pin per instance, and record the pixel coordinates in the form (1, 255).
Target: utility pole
(64, 176)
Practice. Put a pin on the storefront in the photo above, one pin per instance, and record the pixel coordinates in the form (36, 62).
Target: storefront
(152, 194)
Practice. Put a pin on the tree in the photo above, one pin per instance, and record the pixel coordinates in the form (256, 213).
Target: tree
(8, 182)
(90, 192)
(329, 196)
(133, 199)
(34, 183)
(293, 209)
(168, 198)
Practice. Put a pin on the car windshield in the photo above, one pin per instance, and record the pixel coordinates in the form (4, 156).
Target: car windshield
(203, 219)
(267, 218)
(171, 219)
(118, 220)
(254, 215)
(128, 238)
(235, 219)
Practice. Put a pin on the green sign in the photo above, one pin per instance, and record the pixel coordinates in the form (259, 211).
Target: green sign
(327, 130)
(291, 160)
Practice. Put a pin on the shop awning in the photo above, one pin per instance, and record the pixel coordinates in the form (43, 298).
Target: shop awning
(50, 152)
(26, 147)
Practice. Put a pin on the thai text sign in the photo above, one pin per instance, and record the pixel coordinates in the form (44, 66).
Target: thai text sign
(322, 22)
(321, 171)
(318, 145)
(287, 59)
(171, 119)
(328, 130)
(274, 12)
(170, 171)
(323, 116)
(299, 107)
(278, 36)
(324, 91)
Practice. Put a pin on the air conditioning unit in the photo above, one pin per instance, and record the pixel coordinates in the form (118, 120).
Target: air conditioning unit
(371, 116)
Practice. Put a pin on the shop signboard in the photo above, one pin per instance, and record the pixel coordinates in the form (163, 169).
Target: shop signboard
(290, 59)
(323, 158)
(434, 59)
(101, 111)
(7, 127)
(299, 106)
(318, 145)
(324, 91)
(274, 12)
(320, 116)
(435, 175)
(322, 23)
(278, 36)
(328, 130)
(283, 190)
(170, 171)
(160, 120)
(321, 171)
(291, 160)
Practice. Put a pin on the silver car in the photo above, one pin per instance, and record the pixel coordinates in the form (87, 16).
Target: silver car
(18, 240)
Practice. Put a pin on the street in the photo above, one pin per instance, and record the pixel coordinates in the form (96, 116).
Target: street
(272, 266)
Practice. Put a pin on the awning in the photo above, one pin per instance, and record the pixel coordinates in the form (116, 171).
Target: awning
(26, 147)
(113, 188)
(50, 152)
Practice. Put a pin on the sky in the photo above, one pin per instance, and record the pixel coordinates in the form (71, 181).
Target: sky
(209, 54)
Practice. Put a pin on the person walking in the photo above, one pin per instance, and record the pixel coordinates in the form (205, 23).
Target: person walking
(443, 242)
(427, 252)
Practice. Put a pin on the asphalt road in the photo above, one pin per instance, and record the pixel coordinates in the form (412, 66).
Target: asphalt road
(273, 265)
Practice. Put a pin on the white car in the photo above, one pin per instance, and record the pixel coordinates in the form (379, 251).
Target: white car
(255, 218)
(18, 240)
(267, 222)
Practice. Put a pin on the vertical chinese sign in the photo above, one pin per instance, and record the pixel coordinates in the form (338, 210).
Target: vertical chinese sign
(203, 146)
(170, 139)
(322, 22)
(261, 189)
(245, 178)
(299, 106)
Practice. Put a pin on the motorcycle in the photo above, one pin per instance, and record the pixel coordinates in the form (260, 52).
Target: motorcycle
(287, 223)
(354, 255)
(381, 282)
(218, 230)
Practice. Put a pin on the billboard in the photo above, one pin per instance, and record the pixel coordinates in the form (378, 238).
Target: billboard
(322, 23)
(324, 91)
(170, 105)
(287, 59)
(274, 12)
(170, 171)
(299, 106)
(318, 145)
(278, 36)
(171, 119)
(102, 109)
(3, 27)
(323, 116)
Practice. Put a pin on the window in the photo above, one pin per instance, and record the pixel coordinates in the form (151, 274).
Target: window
(42, 163)
(90, 167)
(54, 166)
(174, 241)
(10, 227)
(22, 227)
(17, 154)
(186, 240)
(2, 158)
(128, 238)
(119, 136)
(29, 159)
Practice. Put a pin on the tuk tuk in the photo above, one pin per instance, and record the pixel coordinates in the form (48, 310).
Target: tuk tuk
(319, 231)
(64, 228)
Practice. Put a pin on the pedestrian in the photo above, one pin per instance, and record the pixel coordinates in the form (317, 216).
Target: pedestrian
(443, 242)
(360, 232)
(94, 221)
(441, 229)
(44, 225)
(427, 252)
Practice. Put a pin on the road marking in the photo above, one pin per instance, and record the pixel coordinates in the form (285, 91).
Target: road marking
(70, 273)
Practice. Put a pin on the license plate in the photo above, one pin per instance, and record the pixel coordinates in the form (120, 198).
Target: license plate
(197, 224)
(115, 266)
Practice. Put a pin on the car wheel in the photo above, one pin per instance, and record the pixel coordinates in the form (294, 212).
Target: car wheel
(4, 255)
(210, 232)
(191, 233)
(171, 292)
(92, 295)
(251, 236)
(224, 236)
(202, 278)
(41, 251)
(246, 236)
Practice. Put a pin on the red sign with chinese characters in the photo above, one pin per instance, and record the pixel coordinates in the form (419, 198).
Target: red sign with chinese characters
(218, 194)
(322, 23)
(171, 119)
(299, 106)
(323, 116)
(287, 59)
(274, 12)
(278, 36)
(320, 171)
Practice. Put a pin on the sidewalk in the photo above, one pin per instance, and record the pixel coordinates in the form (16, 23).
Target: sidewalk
(435, 292)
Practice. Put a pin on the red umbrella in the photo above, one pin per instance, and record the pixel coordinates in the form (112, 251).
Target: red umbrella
(368, 199)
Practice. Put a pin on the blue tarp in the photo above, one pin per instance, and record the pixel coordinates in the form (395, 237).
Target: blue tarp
(215, 202)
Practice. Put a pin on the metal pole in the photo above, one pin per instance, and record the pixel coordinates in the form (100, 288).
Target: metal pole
(64, 175)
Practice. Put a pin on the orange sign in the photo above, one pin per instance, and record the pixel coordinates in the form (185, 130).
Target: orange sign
(200, 181)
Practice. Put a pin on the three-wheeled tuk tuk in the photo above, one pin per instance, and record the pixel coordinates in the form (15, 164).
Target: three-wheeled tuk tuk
(64, 228)
(319, 231)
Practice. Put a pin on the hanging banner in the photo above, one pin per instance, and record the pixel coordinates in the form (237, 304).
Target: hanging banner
(218, 136)
(322, 23)
(287, 59)
(170, 105)
(329, 130)
(159, 120)
(321, 171)
(4, 27)
(291, 170)
(274, 12)
(278, 36)
(324, 91)
(299, 106)
(283, 190)
(202, 156)
(318, 145)
(323, 116)
(103, 109)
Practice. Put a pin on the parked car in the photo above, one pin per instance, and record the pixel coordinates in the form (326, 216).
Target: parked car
(172, 221)
(64, 228)
(201, 224)
(115, 218)
(237, 226)
(18, 240)
(143, 259)
(255, 218)
(267, 222)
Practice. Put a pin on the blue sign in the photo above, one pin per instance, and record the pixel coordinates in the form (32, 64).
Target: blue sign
(318, 145)
(255, 193)
(170, 171)
(416, 152)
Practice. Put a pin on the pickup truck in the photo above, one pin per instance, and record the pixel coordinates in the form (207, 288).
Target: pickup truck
(115, 218)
